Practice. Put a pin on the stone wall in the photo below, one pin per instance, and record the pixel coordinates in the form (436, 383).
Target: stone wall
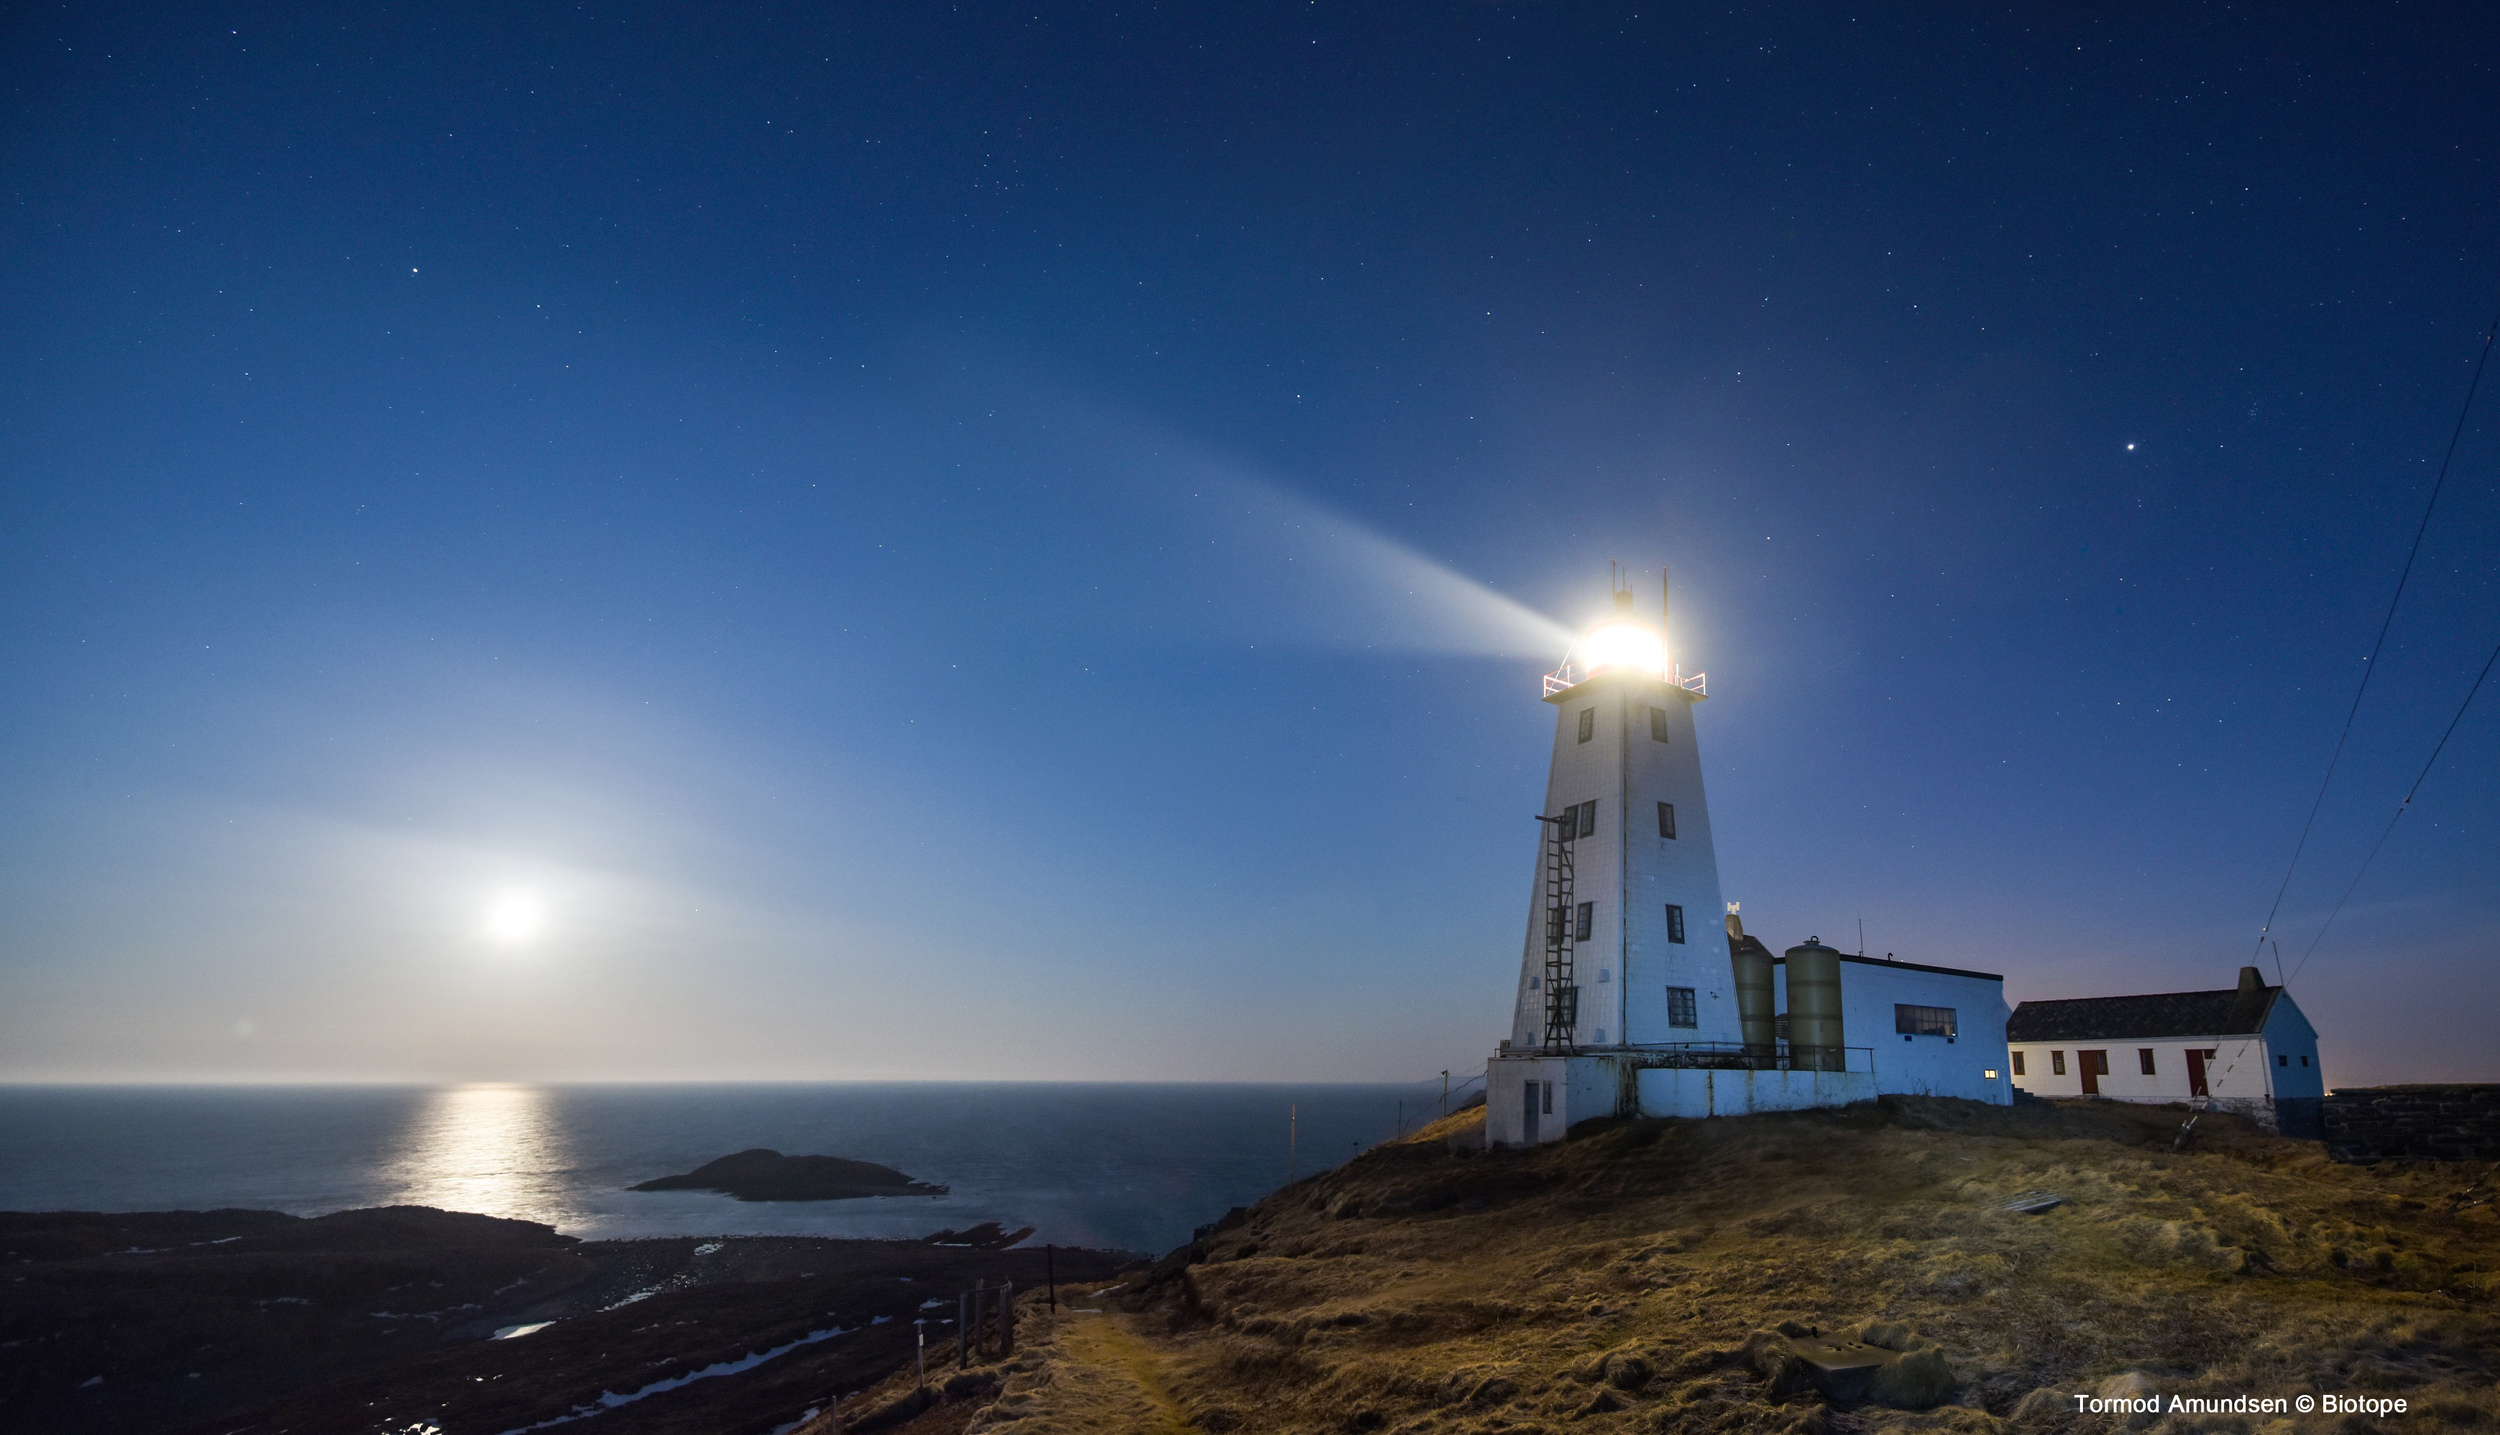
(2415, 1123)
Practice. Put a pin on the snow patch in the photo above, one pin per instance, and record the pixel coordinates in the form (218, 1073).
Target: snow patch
(609, 1400)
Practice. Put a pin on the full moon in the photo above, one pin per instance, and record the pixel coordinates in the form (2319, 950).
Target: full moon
(514, 919)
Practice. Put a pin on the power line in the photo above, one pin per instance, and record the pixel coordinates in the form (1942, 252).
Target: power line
(2391, 821)
(2370, 666)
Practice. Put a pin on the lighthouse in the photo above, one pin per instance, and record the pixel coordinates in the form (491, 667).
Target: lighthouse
(1624, 944)
(1639, 992)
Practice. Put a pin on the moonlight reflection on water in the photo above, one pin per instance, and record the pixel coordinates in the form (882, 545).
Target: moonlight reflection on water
(495, 1149)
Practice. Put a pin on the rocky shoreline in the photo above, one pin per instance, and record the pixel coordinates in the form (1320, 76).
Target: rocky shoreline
(410, 1318)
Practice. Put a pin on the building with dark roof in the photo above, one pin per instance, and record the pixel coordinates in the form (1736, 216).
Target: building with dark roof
(2246, 1048)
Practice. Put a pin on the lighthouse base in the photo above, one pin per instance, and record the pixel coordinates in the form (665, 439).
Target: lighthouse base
(1529, 1100)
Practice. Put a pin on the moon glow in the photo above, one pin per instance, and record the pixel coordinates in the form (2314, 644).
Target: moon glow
(514, 919)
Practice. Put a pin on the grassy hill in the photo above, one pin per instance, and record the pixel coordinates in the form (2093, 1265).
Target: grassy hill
(1634, 1276)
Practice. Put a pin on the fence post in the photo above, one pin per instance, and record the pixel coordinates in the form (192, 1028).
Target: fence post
(1006, 1319)
(963, 1331)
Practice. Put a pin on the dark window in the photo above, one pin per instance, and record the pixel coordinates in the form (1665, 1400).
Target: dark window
(2057, 1063)
(1588, 723)
(1657, 724)
(1666, 819)
(1580, 821)
(1588, 912)
(1680, 1010)
(2018, 1063)
(1675, 923)
(2282, 1061)
(2304, 1061)
(1923, 1020)
(1549, 1097)
(2144, 1058)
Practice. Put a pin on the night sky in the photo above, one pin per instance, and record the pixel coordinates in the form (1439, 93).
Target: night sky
(732, 541)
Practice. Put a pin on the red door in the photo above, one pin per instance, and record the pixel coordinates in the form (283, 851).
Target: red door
(2095, 1066)
(2196, 1072)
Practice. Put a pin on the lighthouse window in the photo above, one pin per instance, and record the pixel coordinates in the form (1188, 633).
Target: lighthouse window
(1680, 1007)
(1587, 917)
(1658, 727)
(1666, 820)
(1922, 1020)
(1588, 821)
(1588, 723)
(1675, 923)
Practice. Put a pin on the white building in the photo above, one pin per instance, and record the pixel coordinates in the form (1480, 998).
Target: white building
(1629, 996)
(2246, 1048)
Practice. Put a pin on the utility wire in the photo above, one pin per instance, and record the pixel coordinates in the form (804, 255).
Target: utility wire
(2370, 669)
(2391, 821)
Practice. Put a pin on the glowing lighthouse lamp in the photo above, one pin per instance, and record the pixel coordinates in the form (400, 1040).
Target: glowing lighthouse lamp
(1619, 643)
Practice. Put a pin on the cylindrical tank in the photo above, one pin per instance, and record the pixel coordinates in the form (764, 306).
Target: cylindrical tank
(1815, 1039)
(1757, 994)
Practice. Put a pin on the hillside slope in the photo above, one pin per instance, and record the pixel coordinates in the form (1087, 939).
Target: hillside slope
(1629, 1279)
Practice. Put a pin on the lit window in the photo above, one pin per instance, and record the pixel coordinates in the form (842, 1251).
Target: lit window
(1588, 723)
(1588, 919)
(2057, 1063)
(1924, 1020)
(2144, 1058)
(1989, 1075)
(1675, 923)
(1657, 724)
(2018, 1062)
(1666, 820)
(1680, 1009)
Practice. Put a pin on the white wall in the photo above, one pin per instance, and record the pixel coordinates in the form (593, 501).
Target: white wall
(2293, 1044)
(1691, 1092)
(2239, 1070)
(1584, 1087)
(1924, 1065)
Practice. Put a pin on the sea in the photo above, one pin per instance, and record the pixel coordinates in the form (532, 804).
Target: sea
(1130, 1167)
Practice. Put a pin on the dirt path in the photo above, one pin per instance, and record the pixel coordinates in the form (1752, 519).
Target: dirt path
(1099, 1377)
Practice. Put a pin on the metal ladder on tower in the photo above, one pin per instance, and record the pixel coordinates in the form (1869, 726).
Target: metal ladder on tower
(1562, 995)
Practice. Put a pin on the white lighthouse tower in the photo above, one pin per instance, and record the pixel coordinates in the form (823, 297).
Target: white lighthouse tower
(1625, 945)
(1639, 995)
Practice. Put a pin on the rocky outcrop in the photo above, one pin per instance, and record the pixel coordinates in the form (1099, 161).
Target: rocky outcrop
(762, 1175)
